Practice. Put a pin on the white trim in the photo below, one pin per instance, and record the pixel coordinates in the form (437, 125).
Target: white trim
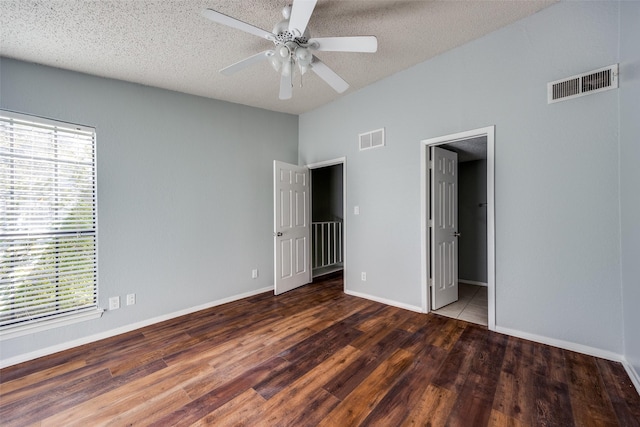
(55, 322)
(489, 132)
(338, 161)
(124, 329)
(473, 282)
(325, 163)
(633, 375)
(567, 345)
(384, 301)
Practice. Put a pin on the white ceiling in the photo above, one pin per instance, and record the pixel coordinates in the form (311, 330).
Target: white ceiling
(168, 44)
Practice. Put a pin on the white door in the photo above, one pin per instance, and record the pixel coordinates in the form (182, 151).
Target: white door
(292, 231)
(444, 236)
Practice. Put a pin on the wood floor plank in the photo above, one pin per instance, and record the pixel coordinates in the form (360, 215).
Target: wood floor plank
(202, 406)
(54, 372)
(432, 408)
(137, 393)
(346, 381)
(306, 356)
(225, 369)
(316, 356)
(236, 412)
(589, 400)
(619, 388)
(552, 402)
(407, 393)
(304, 402)
(354, 408)
(498, 419)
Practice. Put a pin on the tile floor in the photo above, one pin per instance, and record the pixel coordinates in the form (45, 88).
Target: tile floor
(471, 305)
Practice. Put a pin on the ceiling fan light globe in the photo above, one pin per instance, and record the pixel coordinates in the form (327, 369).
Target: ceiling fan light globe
(303, 55)
(284, 52)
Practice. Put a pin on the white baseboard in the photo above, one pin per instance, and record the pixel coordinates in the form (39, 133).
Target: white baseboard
(124, 329)
(567, 345)
(384, 301)
(473, 282)
(635, 378)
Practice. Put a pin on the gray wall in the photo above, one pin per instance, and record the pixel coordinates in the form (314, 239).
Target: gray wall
(558, 234)
(630, 178)
(184, 191)
(326, 199)
(472, 221)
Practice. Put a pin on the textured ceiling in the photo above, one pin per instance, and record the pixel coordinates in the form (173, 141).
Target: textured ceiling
(168, 44)
(469, 149)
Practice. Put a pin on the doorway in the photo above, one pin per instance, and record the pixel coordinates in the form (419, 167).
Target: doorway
(475, 151)
(328, 227)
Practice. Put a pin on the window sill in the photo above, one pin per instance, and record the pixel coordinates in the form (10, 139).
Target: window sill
(43, 325)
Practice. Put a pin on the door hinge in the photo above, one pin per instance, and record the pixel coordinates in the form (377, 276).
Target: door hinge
(430, 223)
(430, 164)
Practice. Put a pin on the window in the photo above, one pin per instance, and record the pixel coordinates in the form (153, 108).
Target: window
(48, 224)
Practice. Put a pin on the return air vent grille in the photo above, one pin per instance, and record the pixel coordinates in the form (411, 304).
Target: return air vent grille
(373, 139)
(583, 84)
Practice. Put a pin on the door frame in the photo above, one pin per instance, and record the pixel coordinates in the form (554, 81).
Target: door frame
(317, 165)
(489, 133)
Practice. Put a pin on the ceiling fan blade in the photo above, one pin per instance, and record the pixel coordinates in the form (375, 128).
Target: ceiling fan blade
(241, 65)
(223, 19)
(286, 90)
(329, 76)
(301, 11)
(346, 44)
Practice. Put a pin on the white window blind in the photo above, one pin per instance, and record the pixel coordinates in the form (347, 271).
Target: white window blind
(48, 262)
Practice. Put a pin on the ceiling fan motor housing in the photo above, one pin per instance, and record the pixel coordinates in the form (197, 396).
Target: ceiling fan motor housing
(290, 47)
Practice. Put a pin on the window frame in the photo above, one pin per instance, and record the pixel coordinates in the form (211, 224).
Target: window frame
(55, 318)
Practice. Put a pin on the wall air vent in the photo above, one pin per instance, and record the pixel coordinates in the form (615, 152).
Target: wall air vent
(373, 139)
(583, 84)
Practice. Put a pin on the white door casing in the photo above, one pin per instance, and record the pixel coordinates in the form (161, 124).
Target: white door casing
(489, 133)
(444, 214)
(292, 229)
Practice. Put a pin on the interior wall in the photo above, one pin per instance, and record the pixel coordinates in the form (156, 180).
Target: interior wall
(184, 187)
(556, 191)
(630, 178)
(472, 221)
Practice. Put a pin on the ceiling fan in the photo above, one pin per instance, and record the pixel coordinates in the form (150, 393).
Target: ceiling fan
(294, 46)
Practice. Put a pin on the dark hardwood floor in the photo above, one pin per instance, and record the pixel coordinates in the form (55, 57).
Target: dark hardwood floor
(315, 356)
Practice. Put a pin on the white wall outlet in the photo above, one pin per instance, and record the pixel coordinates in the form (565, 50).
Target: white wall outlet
(356, 210)
(254, 273)
(131, 299)
(363, 276)
(114, 303)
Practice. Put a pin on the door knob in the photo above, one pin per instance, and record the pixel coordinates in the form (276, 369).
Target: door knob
(278, 234)
(456, 234)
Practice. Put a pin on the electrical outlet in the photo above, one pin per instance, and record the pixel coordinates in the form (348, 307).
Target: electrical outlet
(356, 210)
(131, 299)
(363, 276)
(254, 273)
(114, 303)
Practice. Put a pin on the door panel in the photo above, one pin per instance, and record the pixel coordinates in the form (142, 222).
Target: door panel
(292, 228)
(444, 213)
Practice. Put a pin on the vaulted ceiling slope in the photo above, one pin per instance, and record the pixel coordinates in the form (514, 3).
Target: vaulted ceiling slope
(169, 44)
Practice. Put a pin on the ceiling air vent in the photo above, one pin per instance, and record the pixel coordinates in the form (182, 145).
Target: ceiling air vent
(583, 84)
(373, 139)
